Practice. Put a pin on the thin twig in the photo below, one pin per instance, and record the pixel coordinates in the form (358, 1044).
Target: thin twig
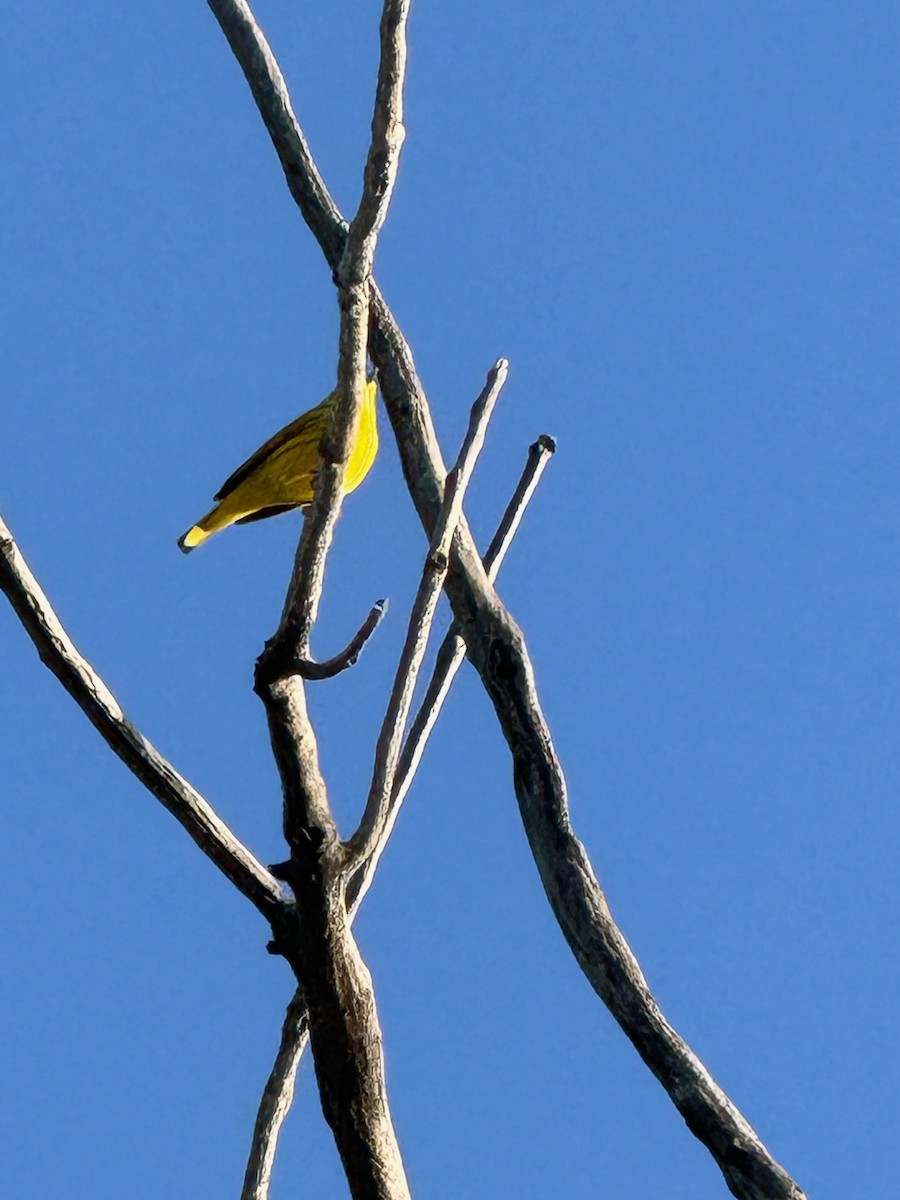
(90, 693)
(539, 454)
(538, 457)
(352, 276)
(447, 663)
(348, 657)
(361, 845)
(453, 648)
(276, 1101)
(269, 667)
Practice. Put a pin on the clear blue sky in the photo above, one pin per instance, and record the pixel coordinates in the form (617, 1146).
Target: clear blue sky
(679, 223)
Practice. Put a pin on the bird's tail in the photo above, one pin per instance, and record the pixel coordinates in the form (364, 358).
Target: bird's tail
(194, 537)
(217, 518)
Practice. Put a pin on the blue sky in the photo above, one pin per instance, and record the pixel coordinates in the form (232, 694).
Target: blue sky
(679, 223)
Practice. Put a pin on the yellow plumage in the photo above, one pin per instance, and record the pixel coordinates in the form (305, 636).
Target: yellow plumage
(282, 473)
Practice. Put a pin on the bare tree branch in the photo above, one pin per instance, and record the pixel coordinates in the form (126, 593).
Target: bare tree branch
(352, 275)
(256, 60)
(384, 153)
(387, 753)
(497, 650)
(539, 454)
(90, 693)
(344, 1029)
(269, 665)
(495, 646)
(276, 1101)
(318, 944)
(360, 881)
(449, 659)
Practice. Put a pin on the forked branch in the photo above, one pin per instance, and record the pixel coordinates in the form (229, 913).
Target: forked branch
(278, 1094)
(343, 1022)
(499, 654)
(269, 666)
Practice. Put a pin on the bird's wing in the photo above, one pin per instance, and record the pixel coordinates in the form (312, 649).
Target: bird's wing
(262, 513)
(275, 442)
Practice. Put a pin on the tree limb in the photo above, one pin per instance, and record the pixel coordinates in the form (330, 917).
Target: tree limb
(384, 152)
(363, 842)
(319, 945)
(268, 665)
(359, 883)
(90, 693)
(498, 652)
(276, 1101)
(255, 58)
(317, 942)
(449, 658)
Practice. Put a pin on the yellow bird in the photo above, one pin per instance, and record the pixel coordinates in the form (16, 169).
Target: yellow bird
(281, 474)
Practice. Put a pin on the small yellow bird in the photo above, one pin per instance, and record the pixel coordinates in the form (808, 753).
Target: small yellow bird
(281, 475)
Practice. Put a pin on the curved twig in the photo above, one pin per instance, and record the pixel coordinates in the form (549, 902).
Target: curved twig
(269, 666)
(348, 657)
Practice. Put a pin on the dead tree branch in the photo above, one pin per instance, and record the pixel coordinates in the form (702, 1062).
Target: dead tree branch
(352, 275)
(57, 652)
(267, 85)
(497, 649)
(319, 945)
(276, 1101)
(449, 659)
(390, 740)
(360, 881)
(268, 665)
